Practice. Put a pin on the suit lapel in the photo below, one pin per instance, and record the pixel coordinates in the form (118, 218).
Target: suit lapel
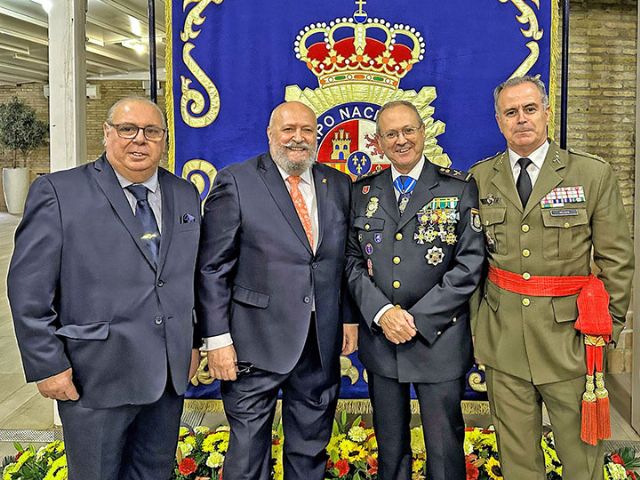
(422, 193)
(108, 183)
(275, 184)
(386, 195)
(321, 185)
(503, 180)
(549, 176)
(168, 212)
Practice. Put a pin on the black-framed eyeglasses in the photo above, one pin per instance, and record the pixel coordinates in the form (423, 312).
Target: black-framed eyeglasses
(407, 132)
(130, 131)
(243, 368)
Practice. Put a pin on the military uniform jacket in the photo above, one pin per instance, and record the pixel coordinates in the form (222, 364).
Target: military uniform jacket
(574, 206)
(428, 261)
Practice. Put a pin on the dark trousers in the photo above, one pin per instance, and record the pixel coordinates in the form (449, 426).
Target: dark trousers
(131, 442)
(442, 424)
(309, 398)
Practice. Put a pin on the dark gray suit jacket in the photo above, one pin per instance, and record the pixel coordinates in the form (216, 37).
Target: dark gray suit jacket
(257, 272)
(383, 249)
(85, 294)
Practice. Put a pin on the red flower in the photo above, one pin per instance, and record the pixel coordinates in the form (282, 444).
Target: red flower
(632, 474)
(343, 467)
(329, 464)
(275, 441)
(615, 458)
(373, 466)
(187, 466)
(472, 472)
(18, 455)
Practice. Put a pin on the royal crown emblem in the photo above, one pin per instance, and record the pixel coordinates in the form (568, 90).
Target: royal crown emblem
(359, 49)
(359, 62)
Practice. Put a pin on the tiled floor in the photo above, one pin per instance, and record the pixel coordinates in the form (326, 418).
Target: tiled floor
(22, 408)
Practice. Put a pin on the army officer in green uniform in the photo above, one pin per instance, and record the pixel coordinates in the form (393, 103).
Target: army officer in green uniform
(414, 258)
(543, 210)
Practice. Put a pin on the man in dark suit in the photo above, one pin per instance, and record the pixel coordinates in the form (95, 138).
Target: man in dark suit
(101, 292)
(414, 258)
(269, 294)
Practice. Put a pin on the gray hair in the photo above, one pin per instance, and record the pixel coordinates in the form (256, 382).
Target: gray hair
(512, 82)
(397, 103)
(134, 98)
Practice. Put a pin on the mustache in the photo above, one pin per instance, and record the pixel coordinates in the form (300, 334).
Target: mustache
(294, 144)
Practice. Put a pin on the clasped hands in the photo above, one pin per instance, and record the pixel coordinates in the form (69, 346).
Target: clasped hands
(397, 325)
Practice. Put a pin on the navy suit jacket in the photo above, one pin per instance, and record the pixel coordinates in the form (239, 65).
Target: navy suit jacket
(85, 294)
(258, 275)
(389, 263)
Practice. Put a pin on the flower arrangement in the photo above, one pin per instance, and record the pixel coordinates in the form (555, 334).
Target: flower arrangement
(47, 463)
(352, 455)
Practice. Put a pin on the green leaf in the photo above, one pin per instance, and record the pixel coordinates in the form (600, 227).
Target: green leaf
(357, 421)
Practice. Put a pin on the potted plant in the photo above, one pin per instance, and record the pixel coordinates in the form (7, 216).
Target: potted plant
(20, 131)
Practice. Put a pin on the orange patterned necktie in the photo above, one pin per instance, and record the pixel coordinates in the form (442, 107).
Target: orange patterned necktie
(301, 206)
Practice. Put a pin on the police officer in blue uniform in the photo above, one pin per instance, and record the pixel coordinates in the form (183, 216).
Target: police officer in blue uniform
(415, 255)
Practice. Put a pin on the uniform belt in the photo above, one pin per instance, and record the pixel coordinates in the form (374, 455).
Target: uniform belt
(594, 322)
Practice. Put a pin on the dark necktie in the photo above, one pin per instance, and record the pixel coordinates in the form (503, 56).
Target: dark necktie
(523, 185)
(151, 235)
(405, 185)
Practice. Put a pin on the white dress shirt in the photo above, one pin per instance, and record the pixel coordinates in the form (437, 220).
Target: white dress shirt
(537, 159)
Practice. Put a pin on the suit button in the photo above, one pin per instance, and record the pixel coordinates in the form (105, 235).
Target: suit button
(367, 227)
(306, 299)
(566, 225)
(524, 228)
(160, 283)
(526, 302)
(158, 320)
(526, 252)
(396, 284)
(396, 260)
(398, 236)
(438, 333)
(314, 265)
(526, 275)
(454, 320)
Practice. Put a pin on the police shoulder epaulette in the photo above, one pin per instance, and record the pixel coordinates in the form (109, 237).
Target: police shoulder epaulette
(486, 159)
(588, 155)
(454, 173)
(368, 176)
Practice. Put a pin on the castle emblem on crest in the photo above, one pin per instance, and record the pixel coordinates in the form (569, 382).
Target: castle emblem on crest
(359, 62)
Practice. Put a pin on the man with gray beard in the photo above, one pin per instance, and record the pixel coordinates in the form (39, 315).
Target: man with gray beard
(270, 297)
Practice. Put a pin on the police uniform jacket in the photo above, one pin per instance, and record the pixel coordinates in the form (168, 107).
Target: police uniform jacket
(392, 259)
(574, 206)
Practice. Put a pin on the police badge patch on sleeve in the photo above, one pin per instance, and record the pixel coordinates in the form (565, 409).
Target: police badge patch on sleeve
(476, 223)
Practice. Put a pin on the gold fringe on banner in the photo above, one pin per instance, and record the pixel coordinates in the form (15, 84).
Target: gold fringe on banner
(554, 60)
(355, 407)
(168, 87)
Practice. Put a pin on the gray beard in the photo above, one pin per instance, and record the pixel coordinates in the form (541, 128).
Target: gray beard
(293, 168)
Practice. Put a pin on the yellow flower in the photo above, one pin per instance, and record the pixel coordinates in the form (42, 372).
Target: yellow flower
(357, 434)
(185, 448)
(214, 460)
(202, 429)
(191, 440)
(493, 469)
(183, 432)
(417, 440)
(346, 446)
(614, 471)
(58, 469)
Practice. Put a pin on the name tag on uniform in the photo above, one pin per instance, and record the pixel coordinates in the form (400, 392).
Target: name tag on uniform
(565, 212)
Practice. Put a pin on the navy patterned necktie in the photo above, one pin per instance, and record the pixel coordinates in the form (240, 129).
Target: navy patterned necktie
(523, 185)
(151, 235)
(405, 185)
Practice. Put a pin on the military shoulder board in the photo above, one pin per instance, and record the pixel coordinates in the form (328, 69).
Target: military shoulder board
(453, 173)
(585, 154)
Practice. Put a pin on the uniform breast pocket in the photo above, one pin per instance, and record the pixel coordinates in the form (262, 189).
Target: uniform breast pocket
(566, 233)
(495, 229)
(368, 224)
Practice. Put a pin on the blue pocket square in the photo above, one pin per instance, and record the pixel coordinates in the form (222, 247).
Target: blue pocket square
(187, 218)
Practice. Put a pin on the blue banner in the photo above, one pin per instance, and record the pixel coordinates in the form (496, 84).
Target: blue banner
(229, 62)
